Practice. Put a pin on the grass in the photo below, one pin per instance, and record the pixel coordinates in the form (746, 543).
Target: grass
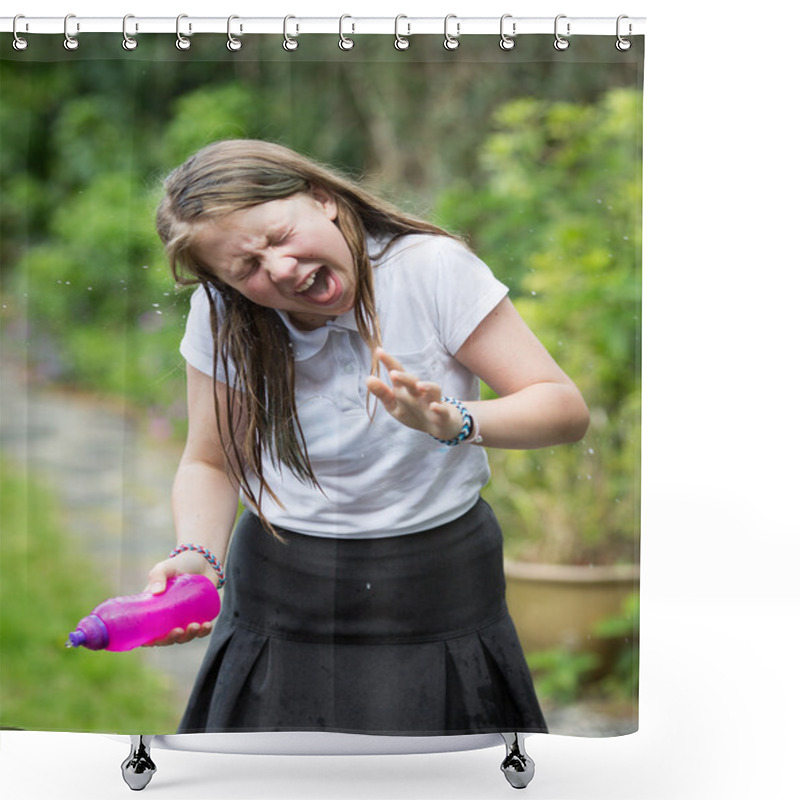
(46, 587)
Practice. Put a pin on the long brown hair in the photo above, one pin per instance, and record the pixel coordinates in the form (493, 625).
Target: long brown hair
(236, 174)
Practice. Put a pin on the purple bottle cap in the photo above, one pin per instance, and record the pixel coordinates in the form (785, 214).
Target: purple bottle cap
(91, 633)
(76, 638)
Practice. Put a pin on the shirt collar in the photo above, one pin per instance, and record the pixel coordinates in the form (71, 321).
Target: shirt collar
(308, 343)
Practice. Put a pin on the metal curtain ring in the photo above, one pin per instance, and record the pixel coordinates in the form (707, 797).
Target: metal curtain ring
(451, 42)
(623, 44)
(19, 43)
(289, 43)
(401, 42)
(182, 43)
(233, 44)
(128, 42)
(560, 42)
(344, 42)
(70, 42)
(507, 41)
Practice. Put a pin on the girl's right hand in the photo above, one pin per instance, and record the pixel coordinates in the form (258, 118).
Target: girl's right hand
(187, 562)
(181, 636)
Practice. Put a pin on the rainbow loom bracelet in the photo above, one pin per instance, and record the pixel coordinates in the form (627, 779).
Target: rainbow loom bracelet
(469, 428)
(207, 555)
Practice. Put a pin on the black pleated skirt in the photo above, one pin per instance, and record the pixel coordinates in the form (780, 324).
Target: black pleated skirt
(404, 635)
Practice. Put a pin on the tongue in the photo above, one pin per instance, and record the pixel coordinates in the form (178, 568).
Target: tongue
(324, 288)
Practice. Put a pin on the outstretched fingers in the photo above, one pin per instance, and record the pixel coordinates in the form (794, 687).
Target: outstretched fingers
(388, 360)
(383, 392)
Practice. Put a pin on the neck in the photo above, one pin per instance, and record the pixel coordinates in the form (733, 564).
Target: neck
(309, 322)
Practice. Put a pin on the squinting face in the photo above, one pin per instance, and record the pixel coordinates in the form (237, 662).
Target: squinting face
(286, 254)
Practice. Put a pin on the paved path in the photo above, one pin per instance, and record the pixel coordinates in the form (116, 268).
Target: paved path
(113, 481)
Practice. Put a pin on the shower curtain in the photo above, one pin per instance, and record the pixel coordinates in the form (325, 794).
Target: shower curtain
(530, 151)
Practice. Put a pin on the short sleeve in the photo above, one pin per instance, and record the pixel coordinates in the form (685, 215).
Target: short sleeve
(197, 345)
(466, 292)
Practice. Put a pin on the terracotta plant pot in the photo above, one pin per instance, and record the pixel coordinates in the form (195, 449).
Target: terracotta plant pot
(556, 605)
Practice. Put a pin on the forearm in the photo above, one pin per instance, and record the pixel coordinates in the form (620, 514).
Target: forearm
(204, 506)
(541, 415)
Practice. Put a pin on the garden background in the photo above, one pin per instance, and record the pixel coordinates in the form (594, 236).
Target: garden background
(535, 161)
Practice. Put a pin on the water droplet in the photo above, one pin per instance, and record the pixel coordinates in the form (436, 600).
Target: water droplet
(534, 294)
(369, 586)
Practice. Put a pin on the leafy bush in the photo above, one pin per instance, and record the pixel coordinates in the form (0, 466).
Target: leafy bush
(566, 675)
(100, 305)
(622, 680)
(560, 673)
(556, 213)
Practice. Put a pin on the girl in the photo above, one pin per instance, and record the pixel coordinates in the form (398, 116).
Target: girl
(334, 349)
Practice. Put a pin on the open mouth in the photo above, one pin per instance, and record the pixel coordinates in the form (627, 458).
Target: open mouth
(321, 287)
(308, 283)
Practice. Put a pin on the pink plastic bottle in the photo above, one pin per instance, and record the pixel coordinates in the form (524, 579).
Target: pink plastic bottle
(122, 623)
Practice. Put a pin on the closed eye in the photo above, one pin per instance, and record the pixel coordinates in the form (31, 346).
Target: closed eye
(248, 268)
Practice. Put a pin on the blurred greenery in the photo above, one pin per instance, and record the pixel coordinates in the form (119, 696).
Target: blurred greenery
(621, 682)
(570, 674)
(48, 586)
(535, 159)
(560, 674)
(555, 209)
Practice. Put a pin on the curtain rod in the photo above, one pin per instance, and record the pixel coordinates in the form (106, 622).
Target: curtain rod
(450, 27)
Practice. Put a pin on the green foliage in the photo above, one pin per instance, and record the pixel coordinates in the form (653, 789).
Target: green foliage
(98, 295)
(556, 212)
(565, 675)
(560, 674)
(622, 680)
(46, 588)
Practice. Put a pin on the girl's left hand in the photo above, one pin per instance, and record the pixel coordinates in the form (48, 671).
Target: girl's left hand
(415, 403)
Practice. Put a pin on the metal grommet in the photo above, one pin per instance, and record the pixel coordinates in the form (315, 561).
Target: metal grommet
(182, 43)
(19, 43)
(70, 42)
(560, 42)
(401, 42)
(623, 44)
(507, 41)
(128, 42)
(344, 42)
(233, 44)
(289, 43)
(451, 42)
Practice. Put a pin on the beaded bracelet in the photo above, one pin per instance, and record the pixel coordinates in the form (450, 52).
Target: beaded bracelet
(469, 432)
(207, 555)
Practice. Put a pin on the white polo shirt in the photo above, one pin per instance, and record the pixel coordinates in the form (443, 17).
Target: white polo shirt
(379, 478)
